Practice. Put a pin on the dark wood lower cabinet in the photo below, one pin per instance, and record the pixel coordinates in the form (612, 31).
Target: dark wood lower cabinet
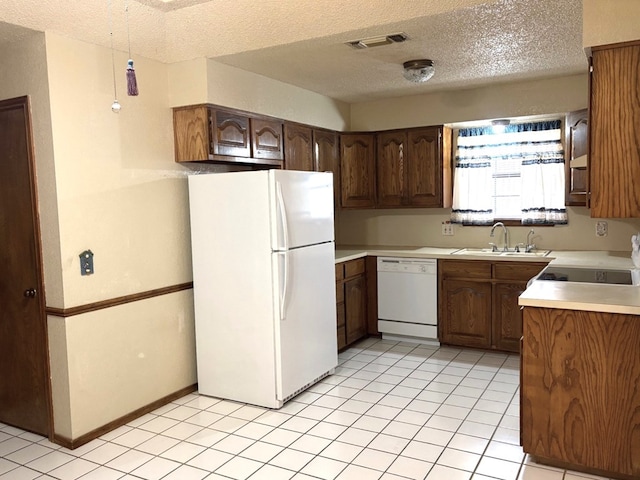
(478, 302)
(580, 390)
(465, 313)
(351, 301)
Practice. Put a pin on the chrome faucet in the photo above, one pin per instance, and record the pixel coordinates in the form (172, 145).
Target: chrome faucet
(505, 235)
(529, 246)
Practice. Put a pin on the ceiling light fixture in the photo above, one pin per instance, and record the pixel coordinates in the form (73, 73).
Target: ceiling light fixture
(500, 125)
(418, 71)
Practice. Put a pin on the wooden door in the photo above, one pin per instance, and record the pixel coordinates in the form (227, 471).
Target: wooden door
(424, 169)
(326, 158)
(466, 313)
(266, 139)
(357, 168)
(391, 168)
(614, 137)
(231, 134)
(25, 391)
(298, 147)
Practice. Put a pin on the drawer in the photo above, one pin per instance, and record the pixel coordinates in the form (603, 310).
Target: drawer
(354, 267)
(519, 271)
(464, 269)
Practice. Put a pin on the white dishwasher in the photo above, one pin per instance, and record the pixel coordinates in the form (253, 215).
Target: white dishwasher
(408, 299)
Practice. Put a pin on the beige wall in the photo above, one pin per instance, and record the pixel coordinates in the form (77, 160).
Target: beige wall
(610, 21)
(422, 227)
(547, 96)
(207, 81)
(120, 359)
(121, 195)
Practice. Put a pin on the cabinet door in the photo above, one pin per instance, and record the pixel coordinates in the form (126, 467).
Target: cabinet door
(191, 134)
(425, 168)
(266, 139)
(326, 158)
(507, 316)
(391, 168)
(357, 166)
(576, 126)
(230, 134)
(465, 313)
(614, 140)
(355, 299)
(298, 154)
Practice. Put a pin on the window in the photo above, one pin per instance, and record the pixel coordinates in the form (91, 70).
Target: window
(517, 174)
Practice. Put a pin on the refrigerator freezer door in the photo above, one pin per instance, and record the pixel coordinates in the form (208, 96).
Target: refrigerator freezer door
(302, 206)
(306, 342)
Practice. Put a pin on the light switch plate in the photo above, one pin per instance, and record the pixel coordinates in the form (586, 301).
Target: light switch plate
(86, 262)
(447, 229)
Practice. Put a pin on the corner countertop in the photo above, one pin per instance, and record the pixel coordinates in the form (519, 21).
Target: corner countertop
(623, 299)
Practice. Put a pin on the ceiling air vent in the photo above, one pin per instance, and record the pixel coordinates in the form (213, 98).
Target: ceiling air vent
(379, 41)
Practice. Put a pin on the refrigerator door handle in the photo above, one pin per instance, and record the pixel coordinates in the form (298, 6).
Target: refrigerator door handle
(283, 218)
(285, 286)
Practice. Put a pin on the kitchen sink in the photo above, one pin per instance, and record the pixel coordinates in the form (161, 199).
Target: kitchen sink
(490, 253)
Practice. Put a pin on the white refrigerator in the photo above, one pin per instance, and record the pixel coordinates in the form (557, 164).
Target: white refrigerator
(264, 283)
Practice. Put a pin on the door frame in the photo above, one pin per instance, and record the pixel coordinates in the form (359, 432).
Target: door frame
(24, 102)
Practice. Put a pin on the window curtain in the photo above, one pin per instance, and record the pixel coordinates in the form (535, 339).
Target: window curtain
(542, 176)
(472, 180)
(486, 159)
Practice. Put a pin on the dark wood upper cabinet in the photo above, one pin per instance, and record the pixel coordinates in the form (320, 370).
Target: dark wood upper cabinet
(429, 172)
(230, 134)
(414, 167)
(392, 168)
(576, 173)
(614, 133)
(326, 158)
(298, 147)
(206, 133)
(266, 139)
(357, 170)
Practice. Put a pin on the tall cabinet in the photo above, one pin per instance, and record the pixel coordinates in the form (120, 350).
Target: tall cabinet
(614, 140)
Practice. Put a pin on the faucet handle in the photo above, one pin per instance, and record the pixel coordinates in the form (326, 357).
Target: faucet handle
(518, 245)
(530, 247)
(494, 248)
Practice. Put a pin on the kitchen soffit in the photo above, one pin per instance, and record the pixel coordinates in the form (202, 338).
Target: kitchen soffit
(472, 42)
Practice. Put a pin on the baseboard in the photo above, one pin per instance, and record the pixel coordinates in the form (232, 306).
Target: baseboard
(92, 435)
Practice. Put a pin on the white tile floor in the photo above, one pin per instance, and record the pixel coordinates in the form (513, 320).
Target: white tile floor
(392, 411)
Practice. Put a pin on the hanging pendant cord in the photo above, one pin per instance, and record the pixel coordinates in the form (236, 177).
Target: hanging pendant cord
(126, 9)
(113, 62)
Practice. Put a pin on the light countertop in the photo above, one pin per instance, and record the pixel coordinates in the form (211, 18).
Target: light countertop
(568, 295)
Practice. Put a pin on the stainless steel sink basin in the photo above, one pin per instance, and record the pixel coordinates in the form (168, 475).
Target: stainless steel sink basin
(487, 252)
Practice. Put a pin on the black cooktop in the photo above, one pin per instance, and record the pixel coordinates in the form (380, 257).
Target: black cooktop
(586, 275)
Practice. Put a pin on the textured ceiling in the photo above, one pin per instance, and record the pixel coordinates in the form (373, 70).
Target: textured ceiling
(471, 42)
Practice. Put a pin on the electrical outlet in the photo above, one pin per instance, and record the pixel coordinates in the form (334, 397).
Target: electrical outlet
(447, 229)
(601, 229)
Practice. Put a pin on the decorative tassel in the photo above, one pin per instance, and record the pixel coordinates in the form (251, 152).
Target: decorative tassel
(132, 84)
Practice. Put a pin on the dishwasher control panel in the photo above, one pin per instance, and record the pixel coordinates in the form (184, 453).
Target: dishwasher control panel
(407, 265)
